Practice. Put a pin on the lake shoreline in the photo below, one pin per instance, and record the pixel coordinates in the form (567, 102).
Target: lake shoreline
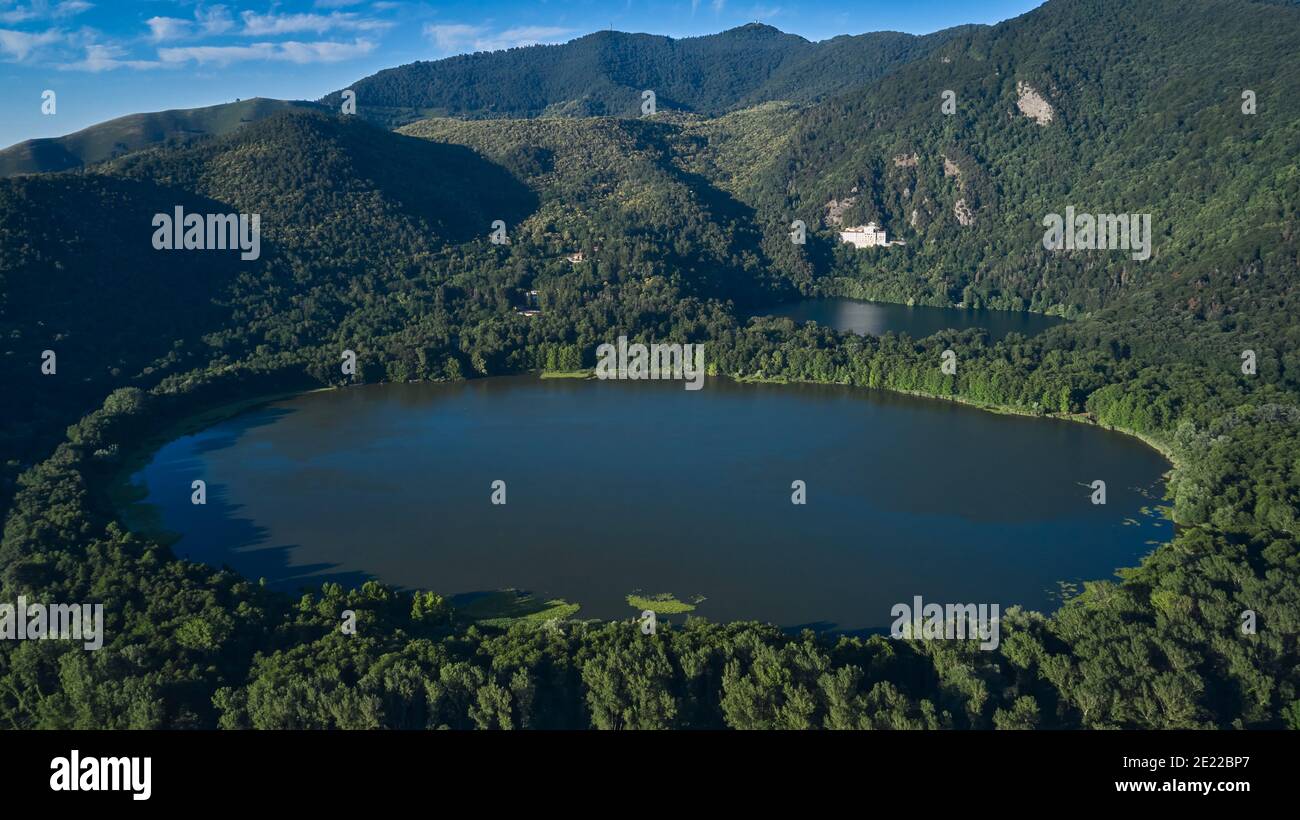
(214, 549)
(1159, 446)
(124, 498)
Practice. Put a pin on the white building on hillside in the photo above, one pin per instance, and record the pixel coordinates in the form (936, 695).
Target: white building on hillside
(869, 235)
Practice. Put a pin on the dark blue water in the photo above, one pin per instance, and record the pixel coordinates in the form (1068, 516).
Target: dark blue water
(614, 487)
(878, 318)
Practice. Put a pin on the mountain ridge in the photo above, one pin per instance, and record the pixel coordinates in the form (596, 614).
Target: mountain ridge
(133, 132)
(598, 74)
(604, 73)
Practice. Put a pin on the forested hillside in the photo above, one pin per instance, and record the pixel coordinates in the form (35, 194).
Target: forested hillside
(378, 242)
(1128, 133)
(604, 74)
(136, 132)
(62, 249)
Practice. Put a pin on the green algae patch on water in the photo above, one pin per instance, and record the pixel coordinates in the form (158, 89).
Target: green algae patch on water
(506, 606)
(663, 603)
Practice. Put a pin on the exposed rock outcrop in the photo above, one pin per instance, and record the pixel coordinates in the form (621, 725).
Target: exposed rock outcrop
(963, 213)
(835, 210)
(1032, 104)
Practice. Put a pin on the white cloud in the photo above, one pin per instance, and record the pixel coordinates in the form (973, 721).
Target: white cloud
(451, 36)
(215, 20)
(70, 8)
(291, 51)
(219, 55)
(522, 36)
(100, 57)
(324, 52)
(207, 21)
(168, 28)
(271, 24)
(44, 10)
(19, 15)
(82, 50)
(459, 37)
(19, 45)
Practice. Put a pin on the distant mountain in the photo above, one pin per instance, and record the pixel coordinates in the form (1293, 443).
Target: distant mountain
(133, 133)
(601, 74)
(604, 74)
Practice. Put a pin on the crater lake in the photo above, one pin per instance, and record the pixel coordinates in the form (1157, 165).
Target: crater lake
(615, 488)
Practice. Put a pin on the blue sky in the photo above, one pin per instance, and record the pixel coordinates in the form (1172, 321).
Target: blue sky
(106, 58)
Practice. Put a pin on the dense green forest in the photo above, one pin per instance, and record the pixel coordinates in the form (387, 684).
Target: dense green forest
(377, 241)
(604, 74)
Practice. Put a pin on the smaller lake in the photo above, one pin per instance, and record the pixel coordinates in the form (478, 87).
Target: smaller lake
(878, 318)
